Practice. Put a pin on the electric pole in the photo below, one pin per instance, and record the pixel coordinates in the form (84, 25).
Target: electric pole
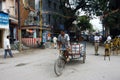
(41, 20)
(19, 27)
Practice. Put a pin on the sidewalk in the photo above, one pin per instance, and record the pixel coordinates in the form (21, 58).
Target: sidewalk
(13, 51)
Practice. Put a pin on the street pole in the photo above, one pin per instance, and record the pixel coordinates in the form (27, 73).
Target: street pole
(19, 27)
(41, 20)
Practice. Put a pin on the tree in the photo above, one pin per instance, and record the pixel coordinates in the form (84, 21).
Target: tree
(105, 8)
(69, 10)
(70, 7)
(84, 23)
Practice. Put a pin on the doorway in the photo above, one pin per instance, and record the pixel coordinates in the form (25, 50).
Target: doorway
(1, 38)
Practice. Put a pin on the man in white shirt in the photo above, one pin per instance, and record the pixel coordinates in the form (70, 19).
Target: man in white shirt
(7, 47)
(96, 43)
(55, 42)
(109, 39)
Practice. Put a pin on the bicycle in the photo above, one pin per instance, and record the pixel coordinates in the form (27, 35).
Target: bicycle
(15, 46)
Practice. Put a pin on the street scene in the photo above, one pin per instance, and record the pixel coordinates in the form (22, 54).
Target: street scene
(39, 64)
(59, 39)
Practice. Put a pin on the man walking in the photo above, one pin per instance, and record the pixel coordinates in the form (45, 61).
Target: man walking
(96, 43)
(55, 42)
(7, 47)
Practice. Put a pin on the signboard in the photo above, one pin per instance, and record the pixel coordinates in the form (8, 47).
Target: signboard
(4, 20)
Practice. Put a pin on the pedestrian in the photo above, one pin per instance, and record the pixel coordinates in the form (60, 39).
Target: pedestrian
(100, 36)
(55, 42)
(96, 43)
(108, 38)
(107, 49)
(108, 45)
(7, 47)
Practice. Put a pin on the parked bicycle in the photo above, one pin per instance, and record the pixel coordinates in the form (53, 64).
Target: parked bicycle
(15, 46)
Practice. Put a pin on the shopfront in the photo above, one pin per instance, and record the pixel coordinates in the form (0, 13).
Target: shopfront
(13, 27)
(31, 34)
(4, 27)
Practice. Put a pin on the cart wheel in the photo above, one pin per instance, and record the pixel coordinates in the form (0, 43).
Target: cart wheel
(84, 57)
(59, 66)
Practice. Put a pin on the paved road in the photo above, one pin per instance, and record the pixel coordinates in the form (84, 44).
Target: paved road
(37, 64)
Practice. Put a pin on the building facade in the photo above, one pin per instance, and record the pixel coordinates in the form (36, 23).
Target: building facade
(4, 27)
(52, 20)
(52, 13)
(10, 7)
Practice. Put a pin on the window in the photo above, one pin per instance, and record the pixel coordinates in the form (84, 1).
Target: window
(0, 5)
(32, 3)
(55, 21)
(60, 20)
(16, 8)
(55, 6)
(49, 3)
(37, 5)
(49, 18)
(60, 7)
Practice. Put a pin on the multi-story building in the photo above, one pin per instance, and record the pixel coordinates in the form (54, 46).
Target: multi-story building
(8, 11)
(51, 12)
(9, 8)
(52, 20)
(52, 15)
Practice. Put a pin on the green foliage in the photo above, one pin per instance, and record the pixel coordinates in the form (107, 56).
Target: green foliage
(55, 16)
(70, 10)
(84, 23)
(112, 20)
(91, 7)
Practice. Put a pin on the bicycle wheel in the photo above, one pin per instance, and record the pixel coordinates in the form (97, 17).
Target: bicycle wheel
(59, 66)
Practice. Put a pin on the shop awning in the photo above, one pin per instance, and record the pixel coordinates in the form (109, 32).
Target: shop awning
(34, 27)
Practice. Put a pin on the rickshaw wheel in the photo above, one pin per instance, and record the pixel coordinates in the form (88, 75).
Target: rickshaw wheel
(59, 66)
